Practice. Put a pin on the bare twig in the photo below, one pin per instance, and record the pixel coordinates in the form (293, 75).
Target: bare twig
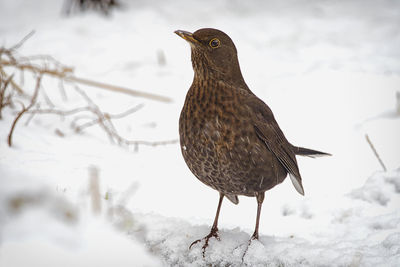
(20, 43)
(125, 113)
(41, 66)
(96, 110)
(59, 112)
(375, 152)
(37, 69)
(106, 124)
(136, 143)
(53, 111)
(65, 73)
(62, 90)
(94, 189)
(118, 89)
(31, 116)
(24, 109)
(47, 98)
(108, 117)
(12, 83)
(3, 89)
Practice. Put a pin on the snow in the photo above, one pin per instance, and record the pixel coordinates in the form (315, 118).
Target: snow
(329, 71)
(349, 233)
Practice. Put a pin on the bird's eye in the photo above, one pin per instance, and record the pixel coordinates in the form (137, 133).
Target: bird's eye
(214, 43)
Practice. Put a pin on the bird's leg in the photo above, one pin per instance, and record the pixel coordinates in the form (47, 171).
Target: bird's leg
(260, 199)
(214, 228)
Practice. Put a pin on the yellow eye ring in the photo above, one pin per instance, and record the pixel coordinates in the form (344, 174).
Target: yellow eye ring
(214, 43)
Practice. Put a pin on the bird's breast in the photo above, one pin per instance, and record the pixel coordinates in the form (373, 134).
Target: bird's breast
(221, 147)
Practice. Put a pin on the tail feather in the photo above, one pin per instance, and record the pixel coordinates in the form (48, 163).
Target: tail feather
(301, 151)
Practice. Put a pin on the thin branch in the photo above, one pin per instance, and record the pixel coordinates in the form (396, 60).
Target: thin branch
(31, 116)
(108, 127)
(65, 73)
(149, 143)
(13, 84)
(62, 90)
(47, 98)
(125, 113)
(24, 109)
(20, 43)
(119, 89)
(109, 117)
(375, 152)
(46, 65)
(59, 112)
(36, 69)
(94, 189)
(3, 101)
(17, 88)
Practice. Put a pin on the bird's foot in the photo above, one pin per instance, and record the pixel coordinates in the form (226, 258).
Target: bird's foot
(253, 237)
(213, 233)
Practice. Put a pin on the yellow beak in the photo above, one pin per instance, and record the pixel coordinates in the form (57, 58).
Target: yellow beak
(188, 36)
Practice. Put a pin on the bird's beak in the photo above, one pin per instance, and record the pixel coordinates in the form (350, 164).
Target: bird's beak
(188, 36)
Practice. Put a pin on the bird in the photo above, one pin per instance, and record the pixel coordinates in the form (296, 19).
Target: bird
(229, 137)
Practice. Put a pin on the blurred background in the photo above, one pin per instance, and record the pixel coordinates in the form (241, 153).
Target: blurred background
(75, 185)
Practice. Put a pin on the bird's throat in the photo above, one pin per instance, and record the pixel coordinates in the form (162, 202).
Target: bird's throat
(206, 70)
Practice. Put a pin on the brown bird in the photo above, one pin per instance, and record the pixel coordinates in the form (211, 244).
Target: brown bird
(229, 137)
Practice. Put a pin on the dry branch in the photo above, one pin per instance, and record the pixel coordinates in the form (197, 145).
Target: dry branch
(94, 189)
(24, 109)
(20, 43)
(65, 73)
(375, 152)
(108, 117)
(15, 86)
(58, 111)
(3, 100)
(104, 121)
(41, 66)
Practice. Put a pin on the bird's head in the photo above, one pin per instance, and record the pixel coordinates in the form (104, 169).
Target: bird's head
(213, 53)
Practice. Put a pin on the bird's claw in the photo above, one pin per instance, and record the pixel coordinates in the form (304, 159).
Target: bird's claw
(213, 233)
(253, 237)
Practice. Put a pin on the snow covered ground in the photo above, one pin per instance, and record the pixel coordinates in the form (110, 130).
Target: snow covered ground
(329, 71)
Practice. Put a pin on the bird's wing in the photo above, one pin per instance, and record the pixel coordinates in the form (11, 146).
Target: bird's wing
(267, 129)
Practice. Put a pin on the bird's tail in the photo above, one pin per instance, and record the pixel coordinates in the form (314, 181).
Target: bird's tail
(301, 151)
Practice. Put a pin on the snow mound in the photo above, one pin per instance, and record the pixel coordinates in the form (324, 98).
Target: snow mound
(363, 238)
(379, 188)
